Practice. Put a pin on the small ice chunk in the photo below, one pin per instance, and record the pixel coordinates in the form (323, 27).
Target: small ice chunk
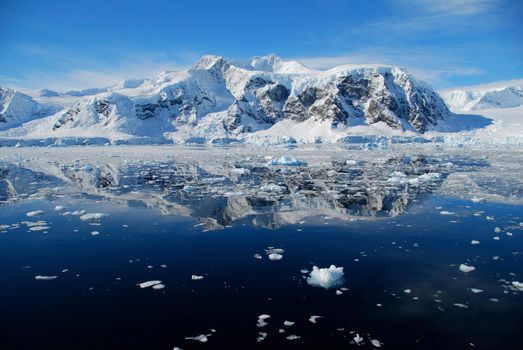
(293, 337)
(314, 318)
(497, 229)
(286, 160)
(202, 338)
(288, 323)
(261, 337)
(45, 278)
(196, 277)
(34, 213)
(93, 216)
(149, 283)
(518, 285)
(444, 212)
(261, 320)
(466, 268)
(357, 339)
(325, 277)
(407, 291)
(476, 290)
(159, 286)
(460, 305)
(95, 233)
(39, 228)
(474, 242)
(59, 208)
(257, 256)
(376, 343)
(275, 256)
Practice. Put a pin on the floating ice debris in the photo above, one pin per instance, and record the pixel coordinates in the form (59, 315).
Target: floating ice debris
(407, 291)
(159, 286)
(34, 213)
(288, 161)
(257, 256)
(376, 343)
(460, 305)
(357, 339)
(95, 233)
(490, 218)
(45, 278)
(444, 212)
(275, 256)
(240, 171)
(326, 277)
(59, 208)
(293, 337)
(474, 242)
(338, 292)
(466, 268)
(93, 216)
(78, 212)
(476, 290)
(196, 277)
(202, 338)
(496, 238)
(261, 337)
(497, 229)
(149, 283)
(518, 285)
(38, 228)
(261, 320)
(288, 323)
(273, 188)
(314, 318)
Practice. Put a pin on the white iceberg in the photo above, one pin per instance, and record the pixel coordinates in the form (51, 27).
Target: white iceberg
(326, 277)
(466, 268)
(93, 216)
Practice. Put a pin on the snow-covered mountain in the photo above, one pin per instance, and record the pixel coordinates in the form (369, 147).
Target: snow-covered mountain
(485, 97)
(17, 108)
(221, 99)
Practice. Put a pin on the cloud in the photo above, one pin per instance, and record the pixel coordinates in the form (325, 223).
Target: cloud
(70, 71)
(425, 63)
(453, 7)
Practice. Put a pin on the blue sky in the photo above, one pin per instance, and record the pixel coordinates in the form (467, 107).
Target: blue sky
(79, 44)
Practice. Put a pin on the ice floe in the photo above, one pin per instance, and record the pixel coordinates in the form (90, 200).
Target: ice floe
(518, 285)
(288, 161)
(148, 284)
(196, 277)
(466, 268)
(34, 213)
(326, 277)
(45, 278)
(93, 216)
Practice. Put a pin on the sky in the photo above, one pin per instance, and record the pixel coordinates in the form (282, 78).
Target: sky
(64, 45)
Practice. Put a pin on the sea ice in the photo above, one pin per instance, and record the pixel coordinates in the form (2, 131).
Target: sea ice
(45, 278)
(314, 318)
(149, 283)
(326, 277)
(474, 242)
(196, 277)
(202, 338)
(288, 323)
(466, 268)
(288, 161)
(293, 337)
(518, 285)
(34, 213)
(93, 216)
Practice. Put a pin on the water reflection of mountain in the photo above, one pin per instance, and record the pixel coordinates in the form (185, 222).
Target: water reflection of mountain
(247, 191)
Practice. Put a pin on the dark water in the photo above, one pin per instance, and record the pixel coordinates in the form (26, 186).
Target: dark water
(390, 238)
(97, 305)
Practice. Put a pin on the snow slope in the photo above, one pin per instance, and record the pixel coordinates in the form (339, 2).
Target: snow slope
(220, 99)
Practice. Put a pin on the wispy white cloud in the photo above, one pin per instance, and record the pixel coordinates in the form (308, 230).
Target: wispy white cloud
(70, 71)
(424, 63)
(453, 7)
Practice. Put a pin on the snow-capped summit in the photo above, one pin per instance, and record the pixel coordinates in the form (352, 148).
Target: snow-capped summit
(17, 108)
(485, 97)
(219, 98)
(273, 63)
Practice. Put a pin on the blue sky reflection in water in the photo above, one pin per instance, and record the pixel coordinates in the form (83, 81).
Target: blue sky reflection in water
(171, 219)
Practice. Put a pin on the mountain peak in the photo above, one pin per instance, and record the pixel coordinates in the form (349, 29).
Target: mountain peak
(209, 61)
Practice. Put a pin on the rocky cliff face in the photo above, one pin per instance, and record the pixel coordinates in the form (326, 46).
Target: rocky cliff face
(250, 96)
